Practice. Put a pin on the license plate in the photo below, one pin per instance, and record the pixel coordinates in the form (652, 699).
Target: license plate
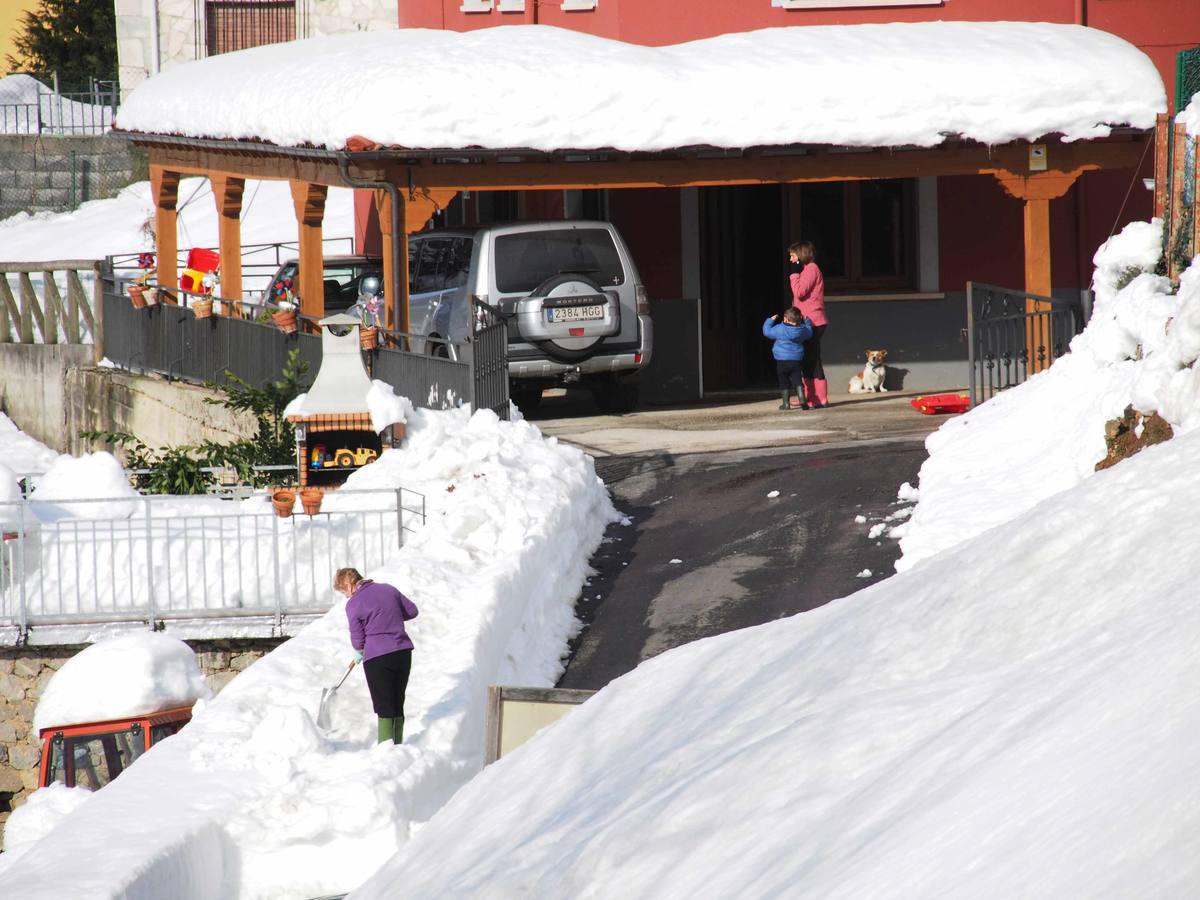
(575, 313)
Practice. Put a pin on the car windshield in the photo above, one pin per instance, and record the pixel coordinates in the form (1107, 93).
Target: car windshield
(526, 259)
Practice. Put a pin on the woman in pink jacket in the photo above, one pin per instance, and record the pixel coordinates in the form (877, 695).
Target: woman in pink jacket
(808, 295)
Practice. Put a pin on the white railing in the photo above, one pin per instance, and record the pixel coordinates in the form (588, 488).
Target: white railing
(157, 558)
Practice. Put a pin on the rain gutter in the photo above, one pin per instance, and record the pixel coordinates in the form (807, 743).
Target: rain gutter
(343, 161)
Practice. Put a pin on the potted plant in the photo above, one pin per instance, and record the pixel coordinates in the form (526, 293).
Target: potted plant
(310, 500)
(369, 306)
(283, 501)
(285, 316)
(202, 307)
(141, 292)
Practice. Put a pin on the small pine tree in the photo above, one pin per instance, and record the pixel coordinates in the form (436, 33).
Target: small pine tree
(76, 38)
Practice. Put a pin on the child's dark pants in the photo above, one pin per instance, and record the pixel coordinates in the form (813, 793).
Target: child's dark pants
(790, 373)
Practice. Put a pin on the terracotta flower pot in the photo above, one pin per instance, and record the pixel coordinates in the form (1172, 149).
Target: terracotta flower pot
(310, 499)
(137, 295)
(368, 338)
(202, 309)
(283, 501)
(285, 320)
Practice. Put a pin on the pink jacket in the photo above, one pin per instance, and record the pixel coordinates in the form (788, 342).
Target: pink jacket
(808, 293)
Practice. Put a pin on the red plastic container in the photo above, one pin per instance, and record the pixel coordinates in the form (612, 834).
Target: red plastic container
(941, 404)
(203, 260)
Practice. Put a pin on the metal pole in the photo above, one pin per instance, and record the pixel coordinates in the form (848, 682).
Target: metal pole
(22, 614)
(275, 561)
(400, 516)
(971, 343)
(149, 564)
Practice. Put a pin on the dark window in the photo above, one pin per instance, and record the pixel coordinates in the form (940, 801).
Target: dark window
(459, 262)
(432, 265)
(863, 233)
(160, 732)
(523, 261)
(238, 24)
(93, 760)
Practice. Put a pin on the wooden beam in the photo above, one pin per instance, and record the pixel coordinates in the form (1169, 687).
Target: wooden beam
(227, 193)
(816, 164)
(423, 203)
(309, 201)
(164, 193)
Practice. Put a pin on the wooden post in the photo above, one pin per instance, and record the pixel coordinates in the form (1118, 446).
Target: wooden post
(227, 192)
(1037, 189)
(383, 205)
(1162, 156)
(309, 200)
(164, 192)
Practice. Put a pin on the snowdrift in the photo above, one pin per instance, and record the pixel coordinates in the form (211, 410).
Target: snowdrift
(250, 799)
(1010, 715)
(896, 84)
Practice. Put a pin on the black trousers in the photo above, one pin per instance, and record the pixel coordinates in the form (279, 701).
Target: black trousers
(789, 373)
(387, 680)
(812, 354)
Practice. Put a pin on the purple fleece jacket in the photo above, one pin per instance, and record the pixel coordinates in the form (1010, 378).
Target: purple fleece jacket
(377, 613)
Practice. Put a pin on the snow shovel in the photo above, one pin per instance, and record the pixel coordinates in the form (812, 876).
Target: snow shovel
(327, 698)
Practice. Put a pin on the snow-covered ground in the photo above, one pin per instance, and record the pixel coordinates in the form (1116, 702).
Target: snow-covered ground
(251, 800)
(102, 228)
(1009, 715)
(20, 453)
(29, 107)
(893, 84)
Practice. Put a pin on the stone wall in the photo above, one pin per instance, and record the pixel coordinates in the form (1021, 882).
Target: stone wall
(55, 173)
(24, 673)
(52, 393)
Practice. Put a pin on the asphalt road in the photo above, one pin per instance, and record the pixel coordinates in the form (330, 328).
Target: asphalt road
(743, 558)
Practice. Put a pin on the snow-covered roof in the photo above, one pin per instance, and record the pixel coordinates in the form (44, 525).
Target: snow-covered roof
(550, 89)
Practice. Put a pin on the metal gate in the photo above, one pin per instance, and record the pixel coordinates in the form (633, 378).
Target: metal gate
(489, 359)
(1014, 335)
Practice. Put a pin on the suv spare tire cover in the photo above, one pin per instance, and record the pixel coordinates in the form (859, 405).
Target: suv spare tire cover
(568, 349)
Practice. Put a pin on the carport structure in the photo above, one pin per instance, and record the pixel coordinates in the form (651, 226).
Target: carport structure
(415, 167)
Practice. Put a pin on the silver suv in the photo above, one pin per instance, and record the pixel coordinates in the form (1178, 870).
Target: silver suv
(576, 308)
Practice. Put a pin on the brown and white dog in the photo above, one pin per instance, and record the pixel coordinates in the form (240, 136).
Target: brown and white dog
(874, 373)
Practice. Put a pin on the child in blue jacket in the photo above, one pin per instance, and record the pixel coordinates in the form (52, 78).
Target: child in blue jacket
(789, 332)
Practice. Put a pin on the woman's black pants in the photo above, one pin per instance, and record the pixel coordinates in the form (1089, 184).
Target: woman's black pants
(387, 680)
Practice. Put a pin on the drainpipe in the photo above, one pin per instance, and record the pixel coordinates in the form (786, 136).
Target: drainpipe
(1080, 12)
(155, 41)
(397, 224)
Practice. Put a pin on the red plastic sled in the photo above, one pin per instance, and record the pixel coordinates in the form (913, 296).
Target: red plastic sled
(941, 404)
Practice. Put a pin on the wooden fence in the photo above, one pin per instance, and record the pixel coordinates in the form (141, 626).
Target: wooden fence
(48, 317)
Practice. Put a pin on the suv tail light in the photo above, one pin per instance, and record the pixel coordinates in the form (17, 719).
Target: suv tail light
(643, 301)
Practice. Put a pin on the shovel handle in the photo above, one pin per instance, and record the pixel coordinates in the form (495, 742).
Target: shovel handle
(350, 669)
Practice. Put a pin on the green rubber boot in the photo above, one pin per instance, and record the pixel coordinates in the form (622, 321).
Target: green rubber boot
(398, 730)
(387, 731)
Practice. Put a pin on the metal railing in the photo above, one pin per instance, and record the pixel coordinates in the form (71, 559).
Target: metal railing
(50, 294)
(157, 558)
(169, 339)
(1013, 335)
(27, 106)
(259, 261)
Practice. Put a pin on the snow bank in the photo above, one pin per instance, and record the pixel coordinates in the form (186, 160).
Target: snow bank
(123, 676)
(251, 800)
(863, 85)
(37, 816)
(21, 453)
(1031, 442)
(1190, 117)
(10, 490)
(386, 408)
(1010, 718)
(90, 477)
(100, 228)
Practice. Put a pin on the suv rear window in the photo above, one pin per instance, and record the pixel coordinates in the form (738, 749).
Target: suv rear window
(525, 260)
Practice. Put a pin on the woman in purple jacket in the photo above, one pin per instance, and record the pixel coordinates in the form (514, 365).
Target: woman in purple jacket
(377, 613)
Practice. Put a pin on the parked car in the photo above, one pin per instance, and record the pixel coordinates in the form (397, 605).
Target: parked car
(342, 276)
(576, 308)
(91, 755)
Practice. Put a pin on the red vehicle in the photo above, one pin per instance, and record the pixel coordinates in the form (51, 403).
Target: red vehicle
(94, 754)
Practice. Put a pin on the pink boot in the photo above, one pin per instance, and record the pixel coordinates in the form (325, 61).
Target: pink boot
(822, 391)
(810, 393)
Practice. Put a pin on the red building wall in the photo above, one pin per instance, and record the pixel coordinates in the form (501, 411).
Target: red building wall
(1159, 27)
